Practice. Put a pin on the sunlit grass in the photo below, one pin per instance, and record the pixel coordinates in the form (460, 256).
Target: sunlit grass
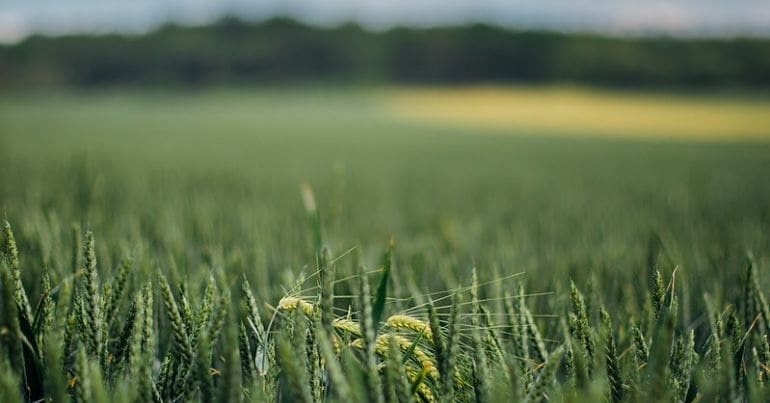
(523, 110)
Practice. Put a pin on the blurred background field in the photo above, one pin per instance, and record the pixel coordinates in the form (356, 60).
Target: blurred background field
(552, 145)
(589, 113)
(539, 179)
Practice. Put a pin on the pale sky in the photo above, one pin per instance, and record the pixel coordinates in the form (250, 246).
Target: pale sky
(20, 18)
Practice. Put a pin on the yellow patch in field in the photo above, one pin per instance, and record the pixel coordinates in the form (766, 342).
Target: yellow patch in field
(584, 112)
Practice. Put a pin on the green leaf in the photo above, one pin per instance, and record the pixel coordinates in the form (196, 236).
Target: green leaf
(408, 353)
(378, 307)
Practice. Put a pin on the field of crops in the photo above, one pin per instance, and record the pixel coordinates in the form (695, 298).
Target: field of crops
(325, 245)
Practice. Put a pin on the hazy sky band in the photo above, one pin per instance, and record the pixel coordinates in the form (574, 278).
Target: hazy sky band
(19, 18)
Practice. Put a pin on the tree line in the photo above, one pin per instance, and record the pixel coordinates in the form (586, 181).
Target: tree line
(233, 51)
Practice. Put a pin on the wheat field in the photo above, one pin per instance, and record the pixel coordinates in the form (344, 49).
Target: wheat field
(324, 245)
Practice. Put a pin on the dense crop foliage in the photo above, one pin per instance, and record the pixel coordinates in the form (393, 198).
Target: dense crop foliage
(195, 267)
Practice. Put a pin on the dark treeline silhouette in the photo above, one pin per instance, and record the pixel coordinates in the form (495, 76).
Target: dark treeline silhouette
(281, 50)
